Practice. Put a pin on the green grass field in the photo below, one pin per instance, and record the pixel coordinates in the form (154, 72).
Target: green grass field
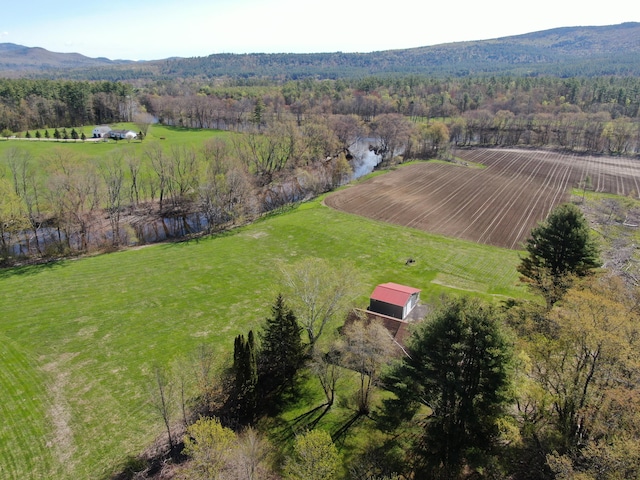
(168, 136)
(78, 338)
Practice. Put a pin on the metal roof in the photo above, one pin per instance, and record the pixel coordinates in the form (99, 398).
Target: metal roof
(393, 293)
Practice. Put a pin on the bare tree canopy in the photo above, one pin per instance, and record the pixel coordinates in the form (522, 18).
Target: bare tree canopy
(318, 292)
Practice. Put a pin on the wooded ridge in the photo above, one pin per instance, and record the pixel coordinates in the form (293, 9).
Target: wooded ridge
(567, 51)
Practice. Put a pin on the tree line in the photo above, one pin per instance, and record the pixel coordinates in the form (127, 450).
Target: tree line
(58, 204)
(27, 104)
(597, 114)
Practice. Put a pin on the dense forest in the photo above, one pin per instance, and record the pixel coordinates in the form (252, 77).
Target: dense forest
(596, 115)
(32, 104)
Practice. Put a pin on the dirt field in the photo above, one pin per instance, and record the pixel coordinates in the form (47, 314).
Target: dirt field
(496, 205)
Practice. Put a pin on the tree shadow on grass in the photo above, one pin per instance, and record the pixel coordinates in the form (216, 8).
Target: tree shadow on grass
(340, 434)
(34, 269)
(309, 420)
(287, 429)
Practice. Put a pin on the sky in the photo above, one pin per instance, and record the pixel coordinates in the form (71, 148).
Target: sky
(158, 29)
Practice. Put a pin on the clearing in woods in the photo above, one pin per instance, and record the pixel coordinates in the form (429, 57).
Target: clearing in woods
(497, 205)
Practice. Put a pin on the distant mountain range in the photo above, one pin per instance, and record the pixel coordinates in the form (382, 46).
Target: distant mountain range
(569, 51)
(16, 58)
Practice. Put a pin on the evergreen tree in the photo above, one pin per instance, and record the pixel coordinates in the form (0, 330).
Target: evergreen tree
(74, 134)
(558, 249)
(83, 137)
(46, 134)
(38, 134)
(281, 350)
(245, 376)
(258, 112)
(56, 134)
(458, 367)
(27, 135)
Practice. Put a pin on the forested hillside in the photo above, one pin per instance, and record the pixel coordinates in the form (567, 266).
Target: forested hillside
(570, 51)
(15, 60)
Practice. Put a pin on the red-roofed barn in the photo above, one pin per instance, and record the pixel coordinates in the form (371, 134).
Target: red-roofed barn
(394, 300)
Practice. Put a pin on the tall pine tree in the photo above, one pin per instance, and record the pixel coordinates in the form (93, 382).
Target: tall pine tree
(458, 370)
(245, 376)
(558, 250)
(282, 352)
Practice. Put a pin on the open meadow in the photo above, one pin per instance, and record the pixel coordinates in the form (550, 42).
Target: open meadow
(79, 338)
(90, 148)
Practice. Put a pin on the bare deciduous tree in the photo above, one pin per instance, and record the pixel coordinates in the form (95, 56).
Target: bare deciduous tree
(250, 456)
(318, 293)
(365, 347)
(161, 166)
(183, 172)
(133, 164)
(162, 399)
(393, 131)
(143, 121)
(113, 176)
(226, 192)
(268, 153)
(348, 129)
(325, 367)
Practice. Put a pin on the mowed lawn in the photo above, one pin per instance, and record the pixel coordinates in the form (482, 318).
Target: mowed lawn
(79, 338)
(41, 149)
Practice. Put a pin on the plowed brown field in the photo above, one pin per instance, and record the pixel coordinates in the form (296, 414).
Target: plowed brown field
(496, 205)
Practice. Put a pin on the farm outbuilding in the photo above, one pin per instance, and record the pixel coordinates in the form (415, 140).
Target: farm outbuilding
(394, 300)
(101, 131)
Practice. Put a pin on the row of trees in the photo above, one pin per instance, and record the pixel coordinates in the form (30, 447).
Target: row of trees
(62, 198)
(596, 115)
(587, 114)
(27, 104)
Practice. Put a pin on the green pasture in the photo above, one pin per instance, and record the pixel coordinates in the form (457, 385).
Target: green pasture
(167, 136)
(78, 338)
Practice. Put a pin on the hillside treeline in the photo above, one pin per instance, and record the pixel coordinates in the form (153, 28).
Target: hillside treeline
(595, 115)
(31, 104)
(561, 52)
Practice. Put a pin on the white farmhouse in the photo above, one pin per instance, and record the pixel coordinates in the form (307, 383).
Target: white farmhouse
(123, 134)
(101, 131)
